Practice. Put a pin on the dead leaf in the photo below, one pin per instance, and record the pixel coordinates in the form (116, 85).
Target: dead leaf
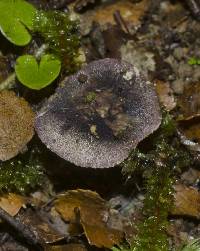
(189, 118)
(12, 203)
(187, 201)
(189, 102)
(94, 216)
(191, 176)
(69, 247)
(130, 12)
(191, 129)
(165, 95)
(16, 124)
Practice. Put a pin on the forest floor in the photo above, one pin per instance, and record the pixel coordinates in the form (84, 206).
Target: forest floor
(149, 202)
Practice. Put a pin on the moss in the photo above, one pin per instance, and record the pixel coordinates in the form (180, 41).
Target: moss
(61, 35)
(158, 201)
(90, 97)
(21, 174)
(168, 126)
(159, 165)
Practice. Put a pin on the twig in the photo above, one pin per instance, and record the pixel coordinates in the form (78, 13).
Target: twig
(31, 237)
(120, 21)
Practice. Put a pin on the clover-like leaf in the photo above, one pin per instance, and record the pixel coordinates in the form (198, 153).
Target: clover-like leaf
(37, 76)
(16, 17)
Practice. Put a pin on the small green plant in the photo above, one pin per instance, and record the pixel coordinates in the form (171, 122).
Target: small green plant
(37, 76)
(60, 33)
(16, 20)
(194, 61)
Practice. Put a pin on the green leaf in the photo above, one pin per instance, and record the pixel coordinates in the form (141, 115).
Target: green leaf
(16, 16)
(37, 76)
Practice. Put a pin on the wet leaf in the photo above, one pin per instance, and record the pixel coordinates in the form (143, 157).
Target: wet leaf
(15, 20)
(12, 203)
(94, 216)
(37, 76)
(187, 201)
(16, 124)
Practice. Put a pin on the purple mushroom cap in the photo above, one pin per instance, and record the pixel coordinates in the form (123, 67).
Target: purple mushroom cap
(98, 115)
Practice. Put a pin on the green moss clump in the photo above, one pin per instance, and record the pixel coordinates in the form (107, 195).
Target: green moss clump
(61, 35)
(22, 174)
(158, 202)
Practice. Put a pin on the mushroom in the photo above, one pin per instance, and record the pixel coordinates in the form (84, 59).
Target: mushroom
(16, 124)
(98, 115)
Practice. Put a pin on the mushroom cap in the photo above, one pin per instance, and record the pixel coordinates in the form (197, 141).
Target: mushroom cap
(16, 124)
(98, 115)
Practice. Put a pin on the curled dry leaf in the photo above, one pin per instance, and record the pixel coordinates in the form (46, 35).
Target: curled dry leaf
(16, 124)
(94, 216)
(100, 114)
(187, 201)
(12, 203)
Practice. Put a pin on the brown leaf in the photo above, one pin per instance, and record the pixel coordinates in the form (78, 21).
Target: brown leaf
(69, 247)
(16, 124)
(189, 118)
(187, 201)
(12, 203)
(94, 215)
(165, 95)
(191, 129)
(130, 12)
(189, 102)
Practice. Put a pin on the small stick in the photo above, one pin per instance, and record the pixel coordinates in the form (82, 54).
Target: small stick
(31, 237)
(120, 21)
